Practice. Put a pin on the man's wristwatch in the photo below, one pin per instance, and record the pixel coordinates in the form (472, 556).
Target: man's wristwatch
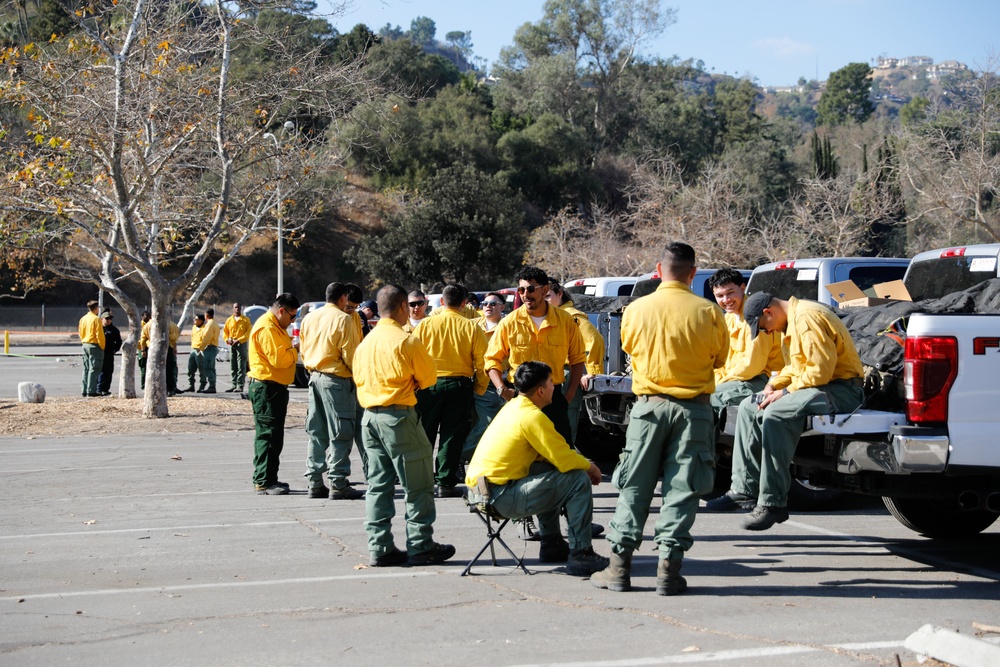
(500, 391)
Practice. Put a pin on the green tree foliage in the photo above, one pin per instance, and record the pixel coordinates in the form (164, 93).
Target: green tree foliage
(422, 31)
(914, 111)
(405, 67)
(824, 162)
(847, 96)
(52, 19)
(467, 227)
(355, 44)
(546, 162)
(570, 62)
(879, 198)
(461, 42)
(452, 128)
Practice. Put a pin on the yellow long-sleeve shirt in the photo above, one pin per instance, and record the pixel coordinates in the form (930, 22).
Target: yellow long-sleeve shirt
(819, 348)
(593, 341)
(91, 330)
(272, 357)
(211, 333)
(390, 365)
(328, 339)
(749, 357)
(556, 343)
(198, 337)
(173, 334)
(237, 328)
(457, 346)
(518, 436)
(676, 340)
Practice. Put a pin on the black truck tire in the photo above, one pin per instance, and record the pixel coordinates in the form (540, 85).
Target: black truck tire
(939, 519)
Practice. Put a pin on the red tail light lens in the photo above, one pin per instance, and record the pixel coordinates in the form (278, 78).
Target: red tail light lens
(953, 252)
(929, 369)
(784, 265)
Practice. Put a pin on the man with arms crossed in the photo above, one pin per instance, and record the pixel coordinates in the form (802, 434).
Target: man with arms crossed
(328, 338)
(389, 366)
(530, 469)
(676, 340)
(823, 376)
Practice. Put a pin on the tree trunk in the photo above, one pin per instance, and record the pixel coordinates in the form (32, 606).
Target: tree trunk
(155, 400)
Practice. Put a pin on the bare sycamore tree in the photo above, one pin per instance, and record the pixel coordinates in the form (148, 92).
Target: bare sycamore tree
(571, 245)
(140, 152)
(951, 167)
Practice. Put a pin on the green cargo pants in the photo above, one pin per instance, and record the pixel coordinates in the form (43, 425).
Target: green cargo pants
(766, 439)
(270, 405)
(208, 365)
(733, 393)
(238, 365)
(398, 448)
(544, 492)
(196, 367)
(446, 409)
(93, 361)
(669, 441)
(330, 427)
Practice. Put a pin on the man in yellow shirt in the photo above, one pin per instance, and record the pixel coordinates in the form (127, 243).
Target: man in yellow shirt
(539, 332)
(530, 469)
(593, 343)
(236, 331)
(142, 347)
(417, 313)
(389, 367)
(272, 369)
(457, 347)
(209, 352)
(676, 340)
(92, 338)
(196, 359)
(328, 339)
(751, 360)
(822, 375)
(173, 334)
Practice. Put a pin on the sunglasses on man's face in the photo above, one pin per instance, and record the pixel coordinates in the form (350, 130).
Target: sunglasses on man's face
(530, 289)
(417, 304)
(488, 304)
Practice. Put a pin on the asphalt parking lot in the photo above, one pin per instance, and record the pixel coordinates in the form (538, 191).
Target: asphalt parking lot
(155, 550)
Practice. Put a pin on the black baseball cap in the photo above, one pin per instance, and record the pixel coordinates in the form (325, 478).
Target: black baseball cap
(753, 308)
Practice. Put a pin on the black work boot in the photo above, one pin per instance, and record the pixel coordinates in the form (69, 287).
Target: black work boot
(668, 578)
(617, 575)
(553, 549)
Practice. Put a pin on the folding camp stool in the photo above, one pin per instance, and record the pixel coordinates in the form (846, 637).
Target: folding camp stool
(478, 500)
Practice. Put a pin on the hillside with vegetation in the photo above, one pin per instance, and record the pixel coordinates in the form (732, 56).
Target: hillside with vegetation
(578, 152)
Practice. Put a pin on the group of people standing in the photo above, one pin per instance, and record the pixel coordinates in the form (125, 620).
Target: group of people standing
(414, 380)
(101, 340)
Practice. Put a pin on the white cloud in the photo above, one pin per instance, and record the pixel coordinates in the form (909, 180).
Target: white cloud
(784, 47)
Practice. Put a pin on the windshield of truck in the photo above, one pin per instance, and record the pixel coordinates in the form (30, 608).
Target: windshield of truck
(785, 283)
(935, 278)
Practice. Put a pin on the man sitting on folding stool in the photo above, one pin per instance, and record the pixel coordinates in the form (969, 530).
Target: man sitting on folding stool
(531, 470)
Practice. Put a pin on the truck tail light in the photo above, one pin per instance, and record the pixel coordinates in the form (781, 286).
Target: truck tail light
(930, 366)
(784, 265)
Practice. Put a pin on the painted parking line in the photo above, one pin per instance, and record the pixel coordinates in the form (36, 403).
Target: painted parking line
(218, 585)
(203, 526)
(721, 656)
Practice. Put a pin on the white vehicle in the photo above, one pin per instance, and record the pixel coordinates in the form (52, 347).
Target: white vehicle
(601, 287)
(647, 284)
(938, 272)
(808, 278)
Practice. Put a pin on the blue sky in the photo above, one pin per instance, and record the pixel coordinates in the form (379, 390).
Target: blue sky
(775, 41)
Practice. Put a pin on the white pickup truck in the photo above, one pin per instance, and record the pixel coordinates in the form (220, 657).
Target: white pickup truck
(936, 459)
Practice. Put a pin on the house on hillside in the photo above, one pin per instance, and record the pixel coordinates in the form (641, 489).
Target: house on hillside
(947, 68)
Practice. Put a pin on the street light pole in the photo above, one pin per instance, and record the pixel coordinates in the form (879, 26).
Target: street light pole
(289, 126)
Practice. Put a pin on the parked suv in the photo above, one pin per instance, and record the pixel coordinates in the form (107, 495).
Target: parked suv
(808, 278)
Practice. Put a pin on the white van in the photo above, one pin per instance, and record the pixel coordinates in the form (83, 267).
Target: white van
(607, 286)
